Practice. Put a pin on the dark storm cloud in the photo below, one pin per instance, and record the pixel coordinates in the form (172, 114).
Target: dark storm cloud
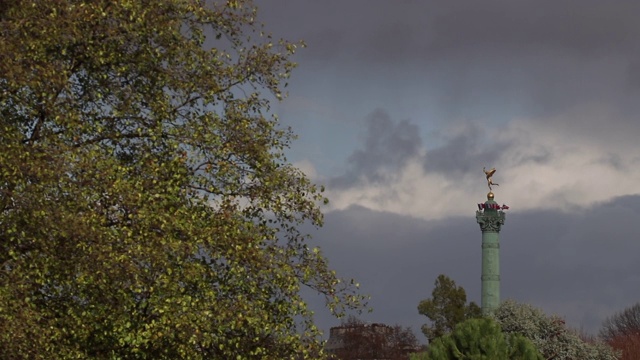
(528, 57)
(590, 28)
(583, 266)
(541, 57)
(382, 30)
(387, 146)
(580, 266)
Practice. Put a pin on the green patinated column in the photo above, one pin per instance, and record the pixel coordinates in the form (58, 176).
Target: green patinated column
(490, 218)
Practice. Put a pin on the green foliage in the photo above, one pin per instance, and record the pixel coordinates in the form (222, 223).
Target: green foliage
(446, 308)
(423, 355)
(548, 333)
(146, 208)
(481, 339)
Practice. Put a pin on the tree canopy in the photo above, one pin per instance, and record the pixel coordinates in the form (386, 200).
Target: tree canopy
(355, 339)
(147, 209)
(482, 339)
(625, 322)
(622, 332)
(549, 334)
(627, 345)
(446, 308)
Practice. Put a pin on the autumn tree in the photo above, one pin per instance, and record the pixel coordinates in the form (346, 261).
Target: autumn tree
(147, 210)
(446, 308)
(549, 334)
(624, 322)
(481, 339)
(622, 332)
(627, 345)
(359, 340)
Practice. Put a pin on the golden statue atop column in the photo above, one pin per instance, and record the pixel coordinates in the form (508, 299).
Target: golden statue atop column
(489, 173)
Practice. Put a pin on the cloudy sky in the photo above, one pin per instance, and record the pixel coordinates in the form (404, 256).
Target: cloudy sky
(399, 105)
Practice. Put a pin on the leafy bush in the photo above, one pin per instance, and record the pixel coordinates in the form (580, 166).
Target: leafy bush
(549, 334)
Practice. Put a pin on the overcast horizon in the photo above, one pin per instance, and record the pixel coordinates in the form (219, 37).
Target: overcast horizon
(398, 107)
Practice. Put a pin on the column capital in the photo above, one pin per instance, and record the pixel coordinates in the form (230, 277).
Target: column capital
(490, 221)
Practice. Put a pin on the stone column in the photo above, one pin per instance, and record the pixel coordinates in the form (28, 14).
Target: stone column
(490, 218)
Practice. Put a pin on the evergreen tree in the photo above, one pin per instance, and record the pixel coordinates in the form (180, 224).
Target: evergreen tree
(481, 339)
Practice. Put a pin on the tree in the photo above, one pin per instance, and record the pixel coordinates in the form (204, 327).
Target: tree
(404, 342)
(446, 308)
(482, 339)
(146, 207)
(627, 345)
(355, 339)
(549, 334)
(623, 323)
(622, 332)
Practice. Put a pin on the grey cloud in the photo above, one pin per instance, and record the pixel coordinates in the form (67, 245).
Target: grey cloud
(471, 147)
(591, 28)
(378, 30)
(531, 57)
(581, 266)
(463, 153)
(388, 144)
(435, 28)
(615, 161)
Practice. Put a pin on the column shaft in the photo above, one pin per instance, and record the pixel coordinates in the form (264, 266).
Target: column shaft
(490, 272)
(490, 219)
